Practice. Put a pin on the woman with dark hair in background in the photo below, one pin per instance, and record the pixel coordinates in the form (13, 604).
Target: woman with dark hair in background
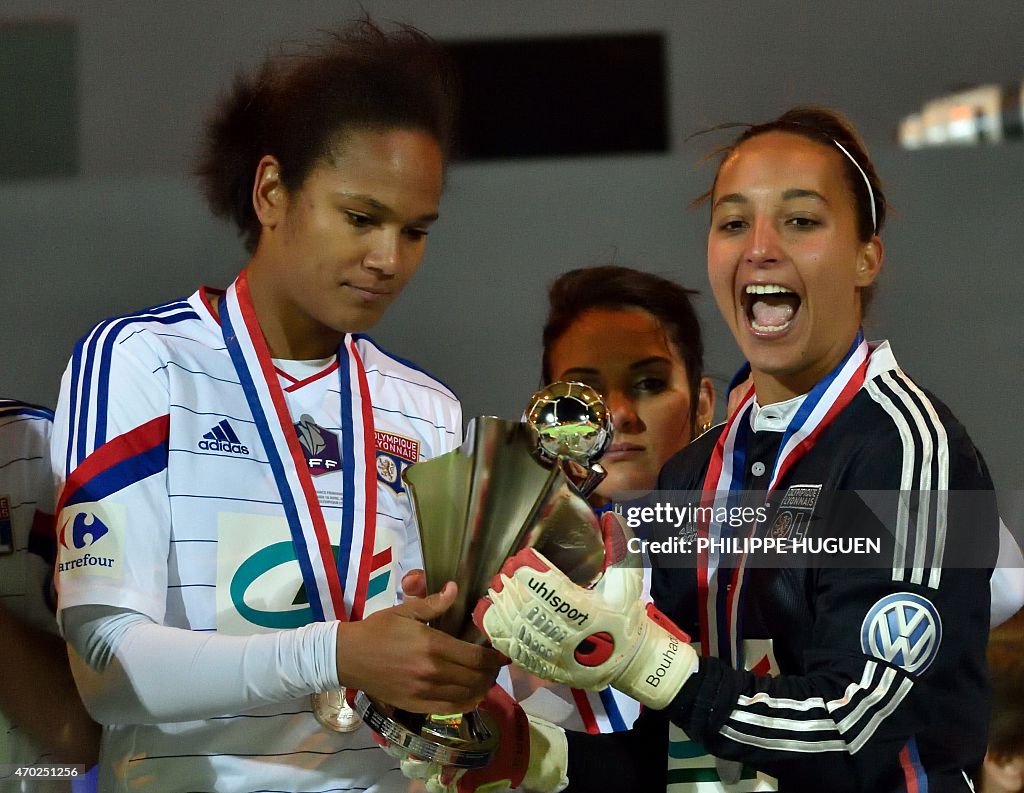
(636, 339)
(231, 519)
(882, 670)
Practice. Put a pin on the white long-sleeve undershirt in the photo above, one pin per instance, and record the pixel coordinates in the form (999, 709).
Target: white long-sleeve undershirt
(130, 670)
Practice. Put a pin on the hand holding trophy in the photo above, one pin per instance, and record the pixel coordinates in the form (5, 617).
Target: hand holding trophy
(510, 486)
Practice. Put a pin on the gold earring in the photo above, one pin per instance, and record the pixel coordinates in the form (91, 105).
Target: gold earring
(705, 427)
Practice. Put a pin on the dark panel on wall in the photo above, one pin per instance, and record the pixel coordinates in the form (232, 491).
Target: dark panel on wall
(38, 100)
(554, 97)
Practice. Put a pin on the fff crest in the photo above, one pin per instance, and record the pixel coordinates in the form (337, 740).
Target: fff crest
(319, 446)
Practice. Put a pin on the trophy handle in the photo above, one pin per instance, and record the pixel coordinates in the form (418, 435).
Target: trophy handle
(585, 478)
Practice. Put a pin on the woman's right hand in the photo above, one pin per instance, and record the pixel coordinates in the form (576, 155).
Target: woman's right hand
(393, 656)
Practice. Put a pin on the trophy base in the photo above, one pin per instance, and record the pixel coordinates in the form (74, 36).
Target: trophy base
(467, 740)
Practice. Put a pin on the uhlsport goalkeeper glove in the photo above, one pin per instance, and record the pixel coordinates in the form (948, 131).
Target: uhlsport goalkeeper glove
(586, 638)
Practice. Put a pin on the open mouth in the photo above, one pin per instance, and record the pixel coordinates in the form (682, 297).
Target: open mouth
(770, 308)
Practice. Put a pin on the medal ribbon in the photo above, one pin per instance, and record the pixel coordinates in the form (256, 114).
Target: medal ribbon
(719, 604)
(359, 472)
(335, 586)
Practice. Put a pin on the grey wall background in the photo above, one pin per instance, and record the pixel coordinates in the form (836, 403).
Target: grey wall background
(131, 230)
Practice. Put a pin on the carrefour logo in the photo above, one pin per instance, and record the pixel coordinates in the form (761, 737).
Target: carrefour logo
(86, 529)
(904, 629)
(90, 538)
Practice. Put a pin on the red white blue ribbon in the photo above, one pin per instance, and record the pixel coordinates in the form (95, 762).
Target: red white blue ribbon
(720, 589)
(335, 584)
(359, 471)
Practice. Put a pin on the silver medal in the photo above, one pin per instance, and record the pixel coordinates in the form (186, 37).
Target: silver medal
(332, 710)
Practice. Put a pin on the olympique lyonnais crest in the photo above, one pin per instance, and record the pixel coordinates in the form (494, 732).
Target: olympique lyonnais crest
(795, 512)
(320, 446)
(394, 453)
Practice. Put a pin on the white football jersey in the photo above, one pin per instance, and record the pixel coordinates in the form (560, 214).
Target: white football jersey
(26, 512)
(26, 558)
(169, 507)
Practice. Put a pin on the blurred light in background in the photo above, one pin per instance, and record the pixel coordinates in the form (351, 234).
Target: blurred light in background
(986, 114)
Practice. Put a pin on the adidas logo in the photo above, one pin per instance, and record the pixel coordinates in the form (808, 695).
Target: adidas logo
(222, 438)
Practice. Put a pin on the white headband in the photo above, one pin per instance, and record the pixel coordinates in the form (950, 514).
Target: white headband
(871, 193)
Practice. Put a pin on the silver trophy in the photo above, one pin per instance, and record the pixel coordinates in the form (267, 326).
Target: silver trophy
(510, 486)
